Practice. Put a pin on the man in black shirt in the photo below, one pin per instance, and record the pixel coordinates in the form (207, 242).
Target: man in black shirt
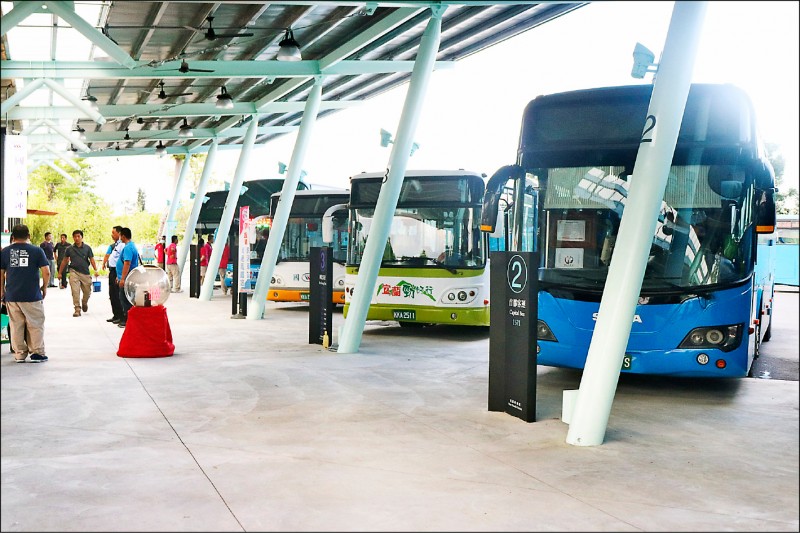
(49, 248)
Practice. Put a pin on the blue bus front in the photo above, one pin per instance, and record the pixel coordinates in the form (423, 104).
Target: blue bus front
(693, 336)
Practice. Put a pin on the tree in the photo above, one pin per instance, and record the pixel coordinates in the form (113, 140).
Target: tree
(788, 201)
(140, 200)
(70, 193)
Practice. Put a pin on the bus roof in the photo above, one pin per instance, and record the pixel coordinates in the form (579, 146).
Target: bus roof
(421, 173)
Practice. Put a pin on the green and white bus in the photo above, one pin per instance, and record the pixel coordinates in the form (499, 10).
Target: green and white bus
(435, 264)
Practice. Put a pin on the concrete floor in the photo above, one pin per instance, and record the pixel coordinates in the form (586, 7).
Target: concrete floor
(249, 428)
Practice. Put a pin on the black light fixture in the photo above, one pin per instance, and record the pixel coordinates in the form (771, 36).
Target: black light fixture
(185, 130)
(161, 149)
(127, 135)
(72, 148)
(224, 100)
(92, 101)
(81, 133)
(289, 49)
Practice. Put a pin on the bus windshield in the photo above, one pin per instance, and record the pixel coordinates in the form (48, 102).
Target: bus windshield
(426, 235)
(703, 236)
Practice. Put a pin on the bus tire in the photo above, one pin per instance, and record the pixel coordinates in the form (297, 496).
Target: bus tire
(768, 333)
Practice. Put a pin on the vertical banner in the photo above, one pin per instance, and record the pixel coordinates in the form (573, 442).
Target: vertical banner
(15, 177)
(320, 286)
(512, 334)
(245, 236)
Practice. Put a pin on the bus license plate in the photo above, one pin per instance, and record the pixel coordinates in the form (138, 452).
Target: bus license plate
(404, 315)
(305, 296)
(626, 362)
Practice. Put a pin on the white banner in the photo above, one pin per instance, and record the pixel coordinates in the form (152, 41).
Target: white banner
(15, 177)
(245, 237)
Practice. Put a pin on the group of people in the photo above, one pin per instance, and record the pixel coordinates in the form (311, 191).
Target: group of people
(167, 258)
(27, 271)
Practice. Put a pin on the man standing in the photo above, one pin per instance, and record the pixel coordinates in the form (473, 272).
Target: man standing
(60, 249)
(173, 272)
(205, 255)
(78, 256)
(160, 246)
(129, 259)
(111, 260)
(20, 266)
(49, 249)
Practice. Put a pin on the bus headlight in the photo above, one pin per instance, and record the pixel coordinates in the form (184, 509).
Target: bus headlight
(460, 296)
(543, 332)
(725, 338)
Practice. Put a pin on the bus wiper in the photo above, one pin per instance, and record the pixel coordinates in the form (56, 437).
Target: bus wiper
(435, 262)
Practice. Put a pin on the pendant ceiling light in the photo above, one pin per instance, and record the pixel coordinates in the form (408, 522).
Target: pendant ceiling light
(161, 149)
(289, 49)
(185, 130)
(224, 100)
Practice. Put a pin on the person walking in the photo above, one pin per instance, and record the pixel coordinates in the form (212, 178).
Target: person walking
(21, 264)
(205, 255)
(160, 246)
(111, 260)
(49, 248)
(77, 257)
(222, 271)
(173, 272)
(129, 259)
(61, 247)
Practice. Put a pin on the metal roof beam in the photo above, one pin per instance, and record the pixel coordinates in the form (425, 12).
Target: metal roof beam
(218, 69)
(168, 110)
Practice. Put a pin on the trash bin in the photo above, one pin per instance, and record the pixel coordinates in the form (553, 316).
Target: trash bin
(4, 331)
(95, 285)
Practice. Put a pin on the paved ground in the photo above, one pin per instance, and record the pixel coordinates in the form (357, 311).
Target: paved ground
(248, 428)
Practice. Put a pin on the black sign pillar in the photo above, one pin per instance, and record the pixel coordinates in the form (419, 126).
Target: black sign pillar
(194, 271)
(512, 335)
(320, 296)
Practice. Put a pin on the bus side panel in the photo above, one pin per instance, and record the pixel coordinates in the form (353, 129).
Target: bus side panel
(291, 282)
(656, 333)
(434, 296)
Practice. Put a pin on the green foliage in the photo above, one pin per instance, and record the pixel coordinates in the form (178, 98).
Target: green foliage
(72, 197)
(786, 201)
(140, 200)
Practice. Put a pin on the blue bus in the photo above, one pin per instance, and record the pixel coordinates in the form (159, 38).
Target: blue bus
(705, 303)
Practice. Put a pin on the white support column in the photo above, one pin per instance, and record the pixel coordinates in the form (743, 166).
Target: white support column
(170, 221)
(617, 307)
(255, 311)
(353, 327)
(207, 290)
(208, 168)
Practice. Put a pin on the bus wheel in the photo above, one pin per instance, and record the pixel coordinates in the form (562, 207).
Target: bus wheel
(768, 333)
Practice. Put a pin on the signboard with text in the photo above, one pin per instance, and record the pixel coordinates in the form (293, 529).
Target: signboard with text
(245, 236)
(15, 177)
(320, 286)
(512, 334)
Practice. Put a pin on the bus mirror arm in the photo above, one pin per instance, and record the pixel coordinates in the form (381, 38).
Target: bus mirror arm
(494, 191)
(327, 222)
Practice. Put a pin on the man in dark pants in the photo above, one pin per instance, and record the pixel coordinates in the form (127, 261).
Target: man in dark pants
(128, 260)
(60, 248)
(111, 260)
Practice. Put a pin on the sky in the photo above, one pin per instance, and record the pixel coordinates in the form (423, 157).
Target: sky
(472, 112)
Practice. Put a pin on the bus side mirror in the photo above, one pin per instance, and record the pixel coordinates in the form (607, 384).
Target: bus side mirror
(490, 215)
(327, 222)
(766, 217)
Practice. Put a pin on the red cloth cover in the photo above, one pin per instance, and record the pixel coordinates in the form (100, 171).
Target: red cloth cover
(147, 333)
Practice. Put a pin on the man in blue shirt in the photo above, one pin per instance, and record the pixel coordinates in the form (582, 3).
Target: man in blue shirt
(111, 260)
(129, 259)
(20, 266)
